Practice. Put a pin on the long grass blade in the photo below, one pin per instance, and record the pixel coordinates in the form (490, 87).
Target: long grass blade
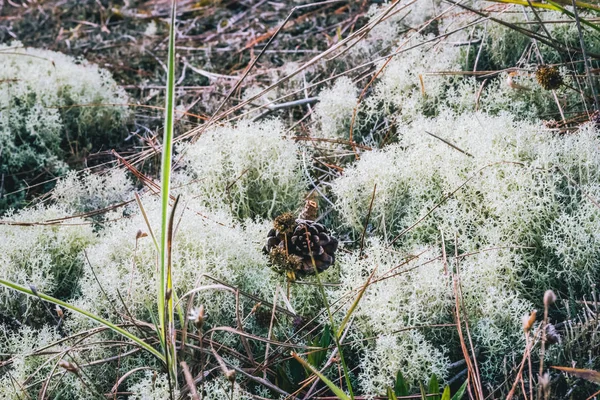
(587, 374)
(355, 304)
(332, 386)
(574, 16)
(110, 325)
(165, 288)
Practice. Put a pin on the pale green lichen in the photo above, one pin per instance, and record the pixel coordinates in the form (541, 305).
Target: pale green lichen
(252, 169)
(48, 257)
(53, 108)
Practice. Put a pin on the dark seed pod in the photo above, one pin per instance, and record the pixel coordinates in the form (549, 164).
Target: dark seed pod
(285, 223)
(548, 77)
(301, 249)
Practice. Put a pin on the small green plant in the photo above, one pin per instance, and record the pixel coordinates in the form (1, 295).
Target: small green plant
(401, 389)
(316, 358)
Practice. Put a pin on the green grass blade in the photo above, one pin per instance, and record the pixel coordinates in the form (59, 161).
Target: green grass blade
(422, 390)
(527, 4)
(400, 386)
(461, 392)
(332, 386)
(434, 388)
(165, 177)
(390, 394)
(68, 306)
(165, 287)
(549, 5)
(336, 338)
(446, 394)
(570, 14)
(355, 304)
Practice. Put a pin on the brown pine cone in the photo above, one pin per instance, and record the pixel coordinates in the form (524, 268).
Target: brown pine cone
(295, 250)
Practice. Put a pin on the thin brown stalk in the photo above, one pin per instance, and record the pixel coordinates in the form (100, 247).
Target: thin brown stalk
(189, 380)
(585, 57)
(472, 373)
(267, 347)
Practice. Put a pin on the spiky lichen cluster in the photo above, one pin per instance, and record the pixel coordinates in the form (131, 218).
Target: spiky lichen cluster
(21, 342)
(498, 188)
(53, 109)
(48, 257)
(85, 192)
(251, 169)
(335, 108)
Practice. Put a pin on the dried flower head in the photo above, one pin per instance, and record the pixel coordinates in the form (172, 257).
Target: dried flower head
(230, 375)
(285, 223)
(548, 77)
(197, 316)
(282, 261)
(544, 382)
(549, 298)
(529, 320)
(59, 311)
(309, 212)
(552, 335)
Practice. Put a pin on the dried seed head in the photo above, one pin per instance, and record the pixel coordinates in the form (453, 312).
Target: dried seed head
(197, 316)
(140, 234)
(544, 380)
(552, 335)
(549, 298)
(285, 223)
(529, 320)
(255, 307)
(284, 262)
(548, 77)
(230, 375)
(309, 212)
(68, 366)
(59, 311)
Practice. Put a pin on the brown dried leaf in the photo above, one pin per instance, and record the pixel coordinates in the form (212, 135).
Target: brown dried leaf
(587, 374)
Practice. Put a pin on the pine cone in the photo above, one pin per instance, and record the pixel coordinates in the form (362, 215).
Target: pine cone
(294, 250)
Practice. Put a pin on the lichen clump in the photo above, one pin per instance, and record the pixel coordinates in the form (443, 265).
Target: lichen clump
(454, 192)
(54, 111)
(251, 169)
